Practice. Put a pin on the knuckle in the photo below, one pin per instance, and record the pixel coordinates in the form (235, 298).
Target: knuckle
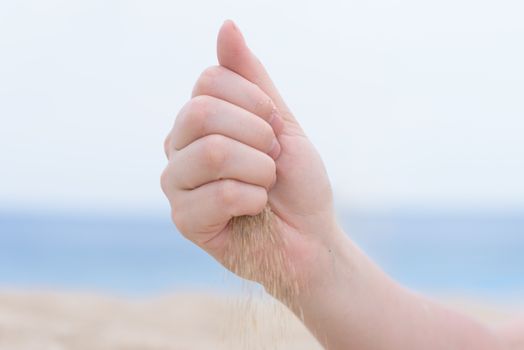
(198, 105)
(214, 151)
(167, 145)
(179, 221)
(207, 80)
(227, 194)
(165, 180)
(197, 116)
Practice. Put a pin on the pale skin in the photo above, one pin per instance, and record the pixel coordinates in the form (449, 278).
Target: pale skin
(236, 146)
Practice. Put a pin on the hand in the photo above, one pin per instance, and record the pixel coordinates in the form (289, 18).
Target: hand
(235, 146)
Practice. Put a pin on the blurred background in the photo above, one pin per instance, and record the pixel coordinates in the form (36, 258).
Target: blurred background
(416, 108)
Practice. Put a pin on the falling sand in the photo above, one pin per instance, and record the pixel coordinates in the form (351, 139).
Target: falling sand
(256, 252)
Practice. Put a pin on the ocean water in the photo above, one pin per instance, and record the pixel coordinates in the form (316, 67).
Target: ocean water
(476, 255)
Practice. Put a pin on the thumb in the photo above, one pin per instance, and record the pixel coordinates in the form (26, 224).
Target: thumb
(234, 55)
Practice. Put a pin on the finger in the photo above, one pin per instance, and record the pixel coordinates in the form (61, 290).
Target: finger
(215, 157)
(233, 54)
(206, 115)
(227, 85)
(207, 210)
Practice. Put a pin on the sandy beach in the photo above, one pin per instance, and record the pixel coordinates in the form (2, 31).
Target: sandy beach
(53, 321)
(185, 321)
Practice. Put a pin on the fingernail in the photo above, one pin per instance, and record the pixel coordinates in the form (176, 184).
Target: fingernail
(274, 182)
(274, 151)
(275, 120)
(235, 27)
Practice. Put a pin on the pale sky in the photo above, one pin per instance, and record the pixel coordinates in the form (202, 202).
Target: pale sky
(411, 103)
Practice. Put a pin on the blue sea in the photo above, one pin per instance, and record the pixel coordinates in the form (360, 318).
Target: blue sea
(468, 254)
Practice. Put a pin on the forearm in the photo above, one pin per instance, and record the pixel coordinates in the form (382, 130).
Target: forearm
(231, 143)
(349, 303)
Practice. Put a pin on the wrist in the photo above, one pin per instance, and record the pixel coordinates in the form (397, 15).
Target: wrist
(333, 264)
(324, 261)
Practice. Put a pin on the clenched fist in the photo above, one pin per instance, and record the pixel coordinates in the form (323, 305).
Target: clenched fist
(236, 147)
